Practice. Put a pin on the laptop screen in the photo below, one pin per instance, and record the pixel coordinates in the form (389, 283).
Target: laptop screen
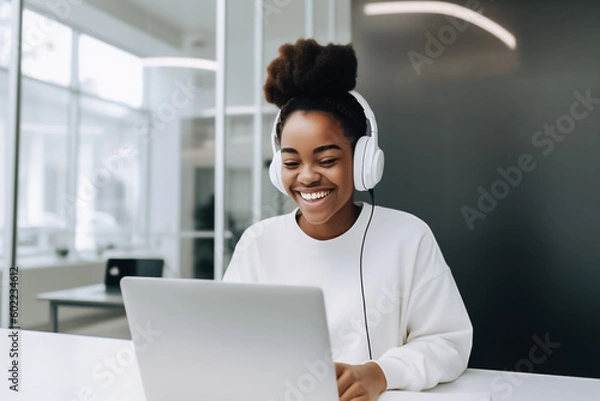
(116, 269)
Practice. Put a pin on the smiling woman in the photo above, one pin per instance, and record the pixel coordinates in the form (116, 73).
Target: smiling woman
(423, 335)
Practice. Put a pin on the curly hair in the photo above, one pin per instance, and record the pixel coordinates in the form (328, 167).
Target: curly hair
(309, 77)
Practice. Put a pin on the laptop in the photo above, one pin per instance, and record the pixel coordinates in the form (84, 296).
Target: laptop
(117, 268)
(206, 340)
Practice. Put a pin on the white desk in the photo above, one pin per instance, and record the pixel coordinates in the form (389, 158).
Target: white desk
(62, 367)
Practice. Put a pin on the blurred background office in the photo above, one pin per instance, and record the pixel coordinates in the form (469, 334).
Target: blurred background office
(142, 132)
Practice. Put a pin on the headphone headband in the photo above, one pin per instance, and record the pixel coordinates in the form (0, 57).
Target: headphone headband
(368, 113)
(363, 103)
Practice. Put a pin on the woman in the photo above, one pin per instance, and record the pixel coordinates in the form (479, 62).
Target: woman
(395, 316)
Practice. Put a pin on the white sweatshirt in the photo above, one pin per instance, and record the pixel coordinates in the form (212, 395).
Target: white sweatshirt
(420, 331)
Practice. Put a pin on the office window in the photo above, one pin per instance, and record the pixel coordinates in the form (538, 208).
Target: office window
(92, 200)
(109, 72)
(46, 56)
(42, 216)
(46, 53)
(109, 205)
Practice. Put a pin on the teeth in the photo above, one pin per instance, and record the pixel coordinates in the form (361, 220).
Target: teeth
(314, 195)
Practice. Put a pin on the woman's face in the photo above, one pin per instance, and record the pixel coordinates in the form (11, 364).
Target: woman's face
(317, 172)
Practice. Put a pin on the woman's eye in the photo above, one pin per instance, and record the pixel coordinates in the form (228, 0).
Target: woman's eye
(328, 162)
(290, 164)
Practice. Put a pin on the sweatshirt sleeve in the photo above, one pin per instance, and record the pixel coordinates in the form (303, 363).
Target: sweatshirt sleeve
(242, 267)
(439, 331)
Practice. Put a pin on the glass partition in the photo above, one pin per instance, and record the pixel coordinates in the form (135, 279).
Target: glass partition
(121, 80)
(6, 14)
(42, 218)
(290, 22)
(121, 138)
(5, 54)
(108, 129)
(46, 52)
(111, 176)
(252, 41)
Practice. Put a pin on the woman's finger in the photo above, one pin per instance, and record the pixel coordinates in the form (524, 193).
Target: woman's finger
(344, 381)
(355, 392)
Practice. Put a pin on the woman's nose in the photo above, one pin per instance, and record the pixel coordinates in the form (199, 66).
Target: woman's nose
(308, 175)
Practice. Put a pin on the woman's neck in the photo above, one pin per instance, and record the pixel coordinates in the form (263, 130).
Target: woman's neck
(335, 226)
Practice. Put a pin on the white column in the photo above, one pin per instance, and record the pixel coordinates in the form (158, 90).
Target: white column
(331, 20)
(35, 177)
(73, 145)
(309, 20)
(220, 142)
(257, 164)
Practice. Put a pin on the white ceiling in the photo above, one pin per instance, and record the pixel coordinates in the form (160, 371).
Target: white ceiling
(191, 16)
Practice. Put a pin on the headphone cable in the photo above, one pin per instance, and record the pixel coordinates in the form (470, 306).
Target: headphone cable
(362, 285)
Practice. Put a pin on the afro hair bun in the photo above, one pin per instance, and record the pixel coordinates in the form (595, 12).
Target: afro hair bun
(309, 69)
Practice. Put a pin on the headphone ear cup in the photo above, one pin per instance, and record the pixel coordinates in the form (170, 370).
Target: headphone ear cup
(359, 163)
(368, 164)
(275, 172)
(374, 167)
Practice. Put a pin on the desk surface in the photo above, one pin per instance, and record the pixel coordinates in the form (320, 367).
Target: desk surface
(87, 295)
(61, 367)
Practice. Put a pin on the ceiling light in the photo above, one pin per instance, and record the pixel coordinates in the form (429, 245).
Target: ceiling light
(180, 62)
(444, 8)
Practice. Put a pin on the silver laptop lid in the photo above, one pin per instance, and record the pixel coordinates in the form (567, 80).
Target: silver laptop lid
(207, 340)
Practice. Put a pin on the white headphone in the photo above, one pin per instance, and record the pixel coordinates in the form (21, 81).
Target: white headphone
(368, 158)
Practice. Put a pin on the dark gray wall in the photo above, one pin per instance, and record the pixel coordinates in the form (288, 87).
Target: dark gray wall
(528, 267)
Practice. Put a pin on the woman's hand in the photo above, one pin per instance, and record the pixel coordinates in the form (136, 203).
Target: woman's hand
(360, 382)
